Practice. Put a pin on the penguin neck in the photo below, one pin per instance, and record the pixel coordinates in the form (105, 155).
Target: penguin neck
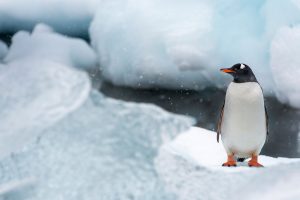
(245, 79)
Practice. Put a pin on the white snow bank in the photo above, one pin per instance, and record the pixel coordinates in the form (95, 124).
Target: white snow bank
(191, 168)
(76, 144)
(285, 62)
(3, 50)
(34, 95)
(44, 44)
(103, 150)
(38, 85)
(156, 43)
(68, 16)
(182, 44)
(178, 44)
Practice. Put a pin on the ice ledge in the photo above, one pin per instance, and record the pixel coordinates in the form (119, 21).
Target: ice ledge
(191, 168)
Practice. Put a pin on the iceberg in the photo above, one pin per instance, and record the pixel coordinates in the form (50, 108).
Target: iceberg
(191, 168)
(182, 45)
(103, 150)
(34, 95)
(69, 16)
(156, 43)
(285, 64)
(39, 86)
(60, 140)
(176, 44)
(44, 44)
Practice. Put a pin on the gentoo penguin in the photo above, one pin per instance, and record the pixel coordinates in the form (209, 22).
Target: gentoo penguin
(243, 123)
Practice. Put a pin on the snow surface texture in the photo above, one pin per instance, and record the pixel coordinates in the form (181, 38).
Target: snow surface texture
(3, 50)
(155, 43)
(172, 43)
(285, 62)
(103, 150)
(44, 43)
(182, 44)
(38, 87)
(191, 168)
(59, 140)
(68, 16)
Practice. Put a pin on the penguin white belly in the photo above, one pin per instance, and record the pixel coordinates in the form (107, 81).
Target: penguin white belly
(244, 128)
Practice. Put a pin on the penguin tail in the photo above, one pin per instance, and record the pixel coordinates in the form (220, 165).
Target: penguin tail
(241, 159)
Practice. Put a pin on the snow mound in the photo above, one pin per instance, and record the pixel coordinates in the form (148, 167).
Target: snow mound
(3, 50)
(44, 43)
(191, 168)
(38, 86)
(182, 44)
(35, 94)
(68, 16)
(155, 43)
(103, 150)
(178, 44)
(285, 62)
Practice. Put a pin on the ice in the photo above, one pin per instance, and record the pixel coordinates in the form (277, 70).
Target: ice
(3, 50)
(191, 168)
(167, 44)
(59, 140)
(44, 44)
(176, 44)
(68, 16)
(34, 95)
(285, 62)
(182, 44)
(103, 150)
(156, 43)
(39, 85)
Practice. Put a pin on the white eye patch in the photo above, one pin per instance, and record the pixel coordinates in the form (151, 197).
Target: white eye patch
(242, 66)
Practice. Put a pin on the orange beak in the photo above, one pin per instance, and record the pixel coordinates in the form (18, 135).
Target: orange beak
(226, 70)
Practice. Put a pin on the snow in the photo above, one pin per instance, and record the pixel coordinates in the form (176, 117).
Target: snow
(34, 95)
(39, 86)
(69, 16)
(168, 44)
(191, 168)
(44, 43)
(60, 140)
(73, 142)
(103, 150)
(3, 50)
(176, 44)
(285, 62)
(156, 43)
(14, 186)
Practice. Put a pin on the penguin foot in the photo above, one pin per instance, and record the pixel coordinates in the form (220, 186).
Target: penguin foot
(254, 164)
(229, 164)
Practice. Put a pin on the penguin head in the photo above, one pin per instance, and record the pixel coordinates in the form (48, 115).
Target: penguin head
(241, 73)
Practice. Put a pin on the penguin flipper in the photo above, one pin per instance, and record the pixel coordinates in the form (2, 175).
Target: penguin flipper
(220, 123)
(267, 120)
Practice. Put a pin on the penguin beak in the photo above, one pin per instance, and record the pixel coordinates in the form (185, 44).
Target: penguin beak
(227, 70)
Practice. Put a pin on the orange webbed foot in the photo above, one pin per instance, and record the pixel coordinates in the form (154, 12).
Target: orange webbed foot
(229, 164)
(254, 163)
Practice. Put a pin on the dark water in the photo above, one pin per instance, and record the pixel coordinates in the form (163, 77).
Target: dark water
(283, 140)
